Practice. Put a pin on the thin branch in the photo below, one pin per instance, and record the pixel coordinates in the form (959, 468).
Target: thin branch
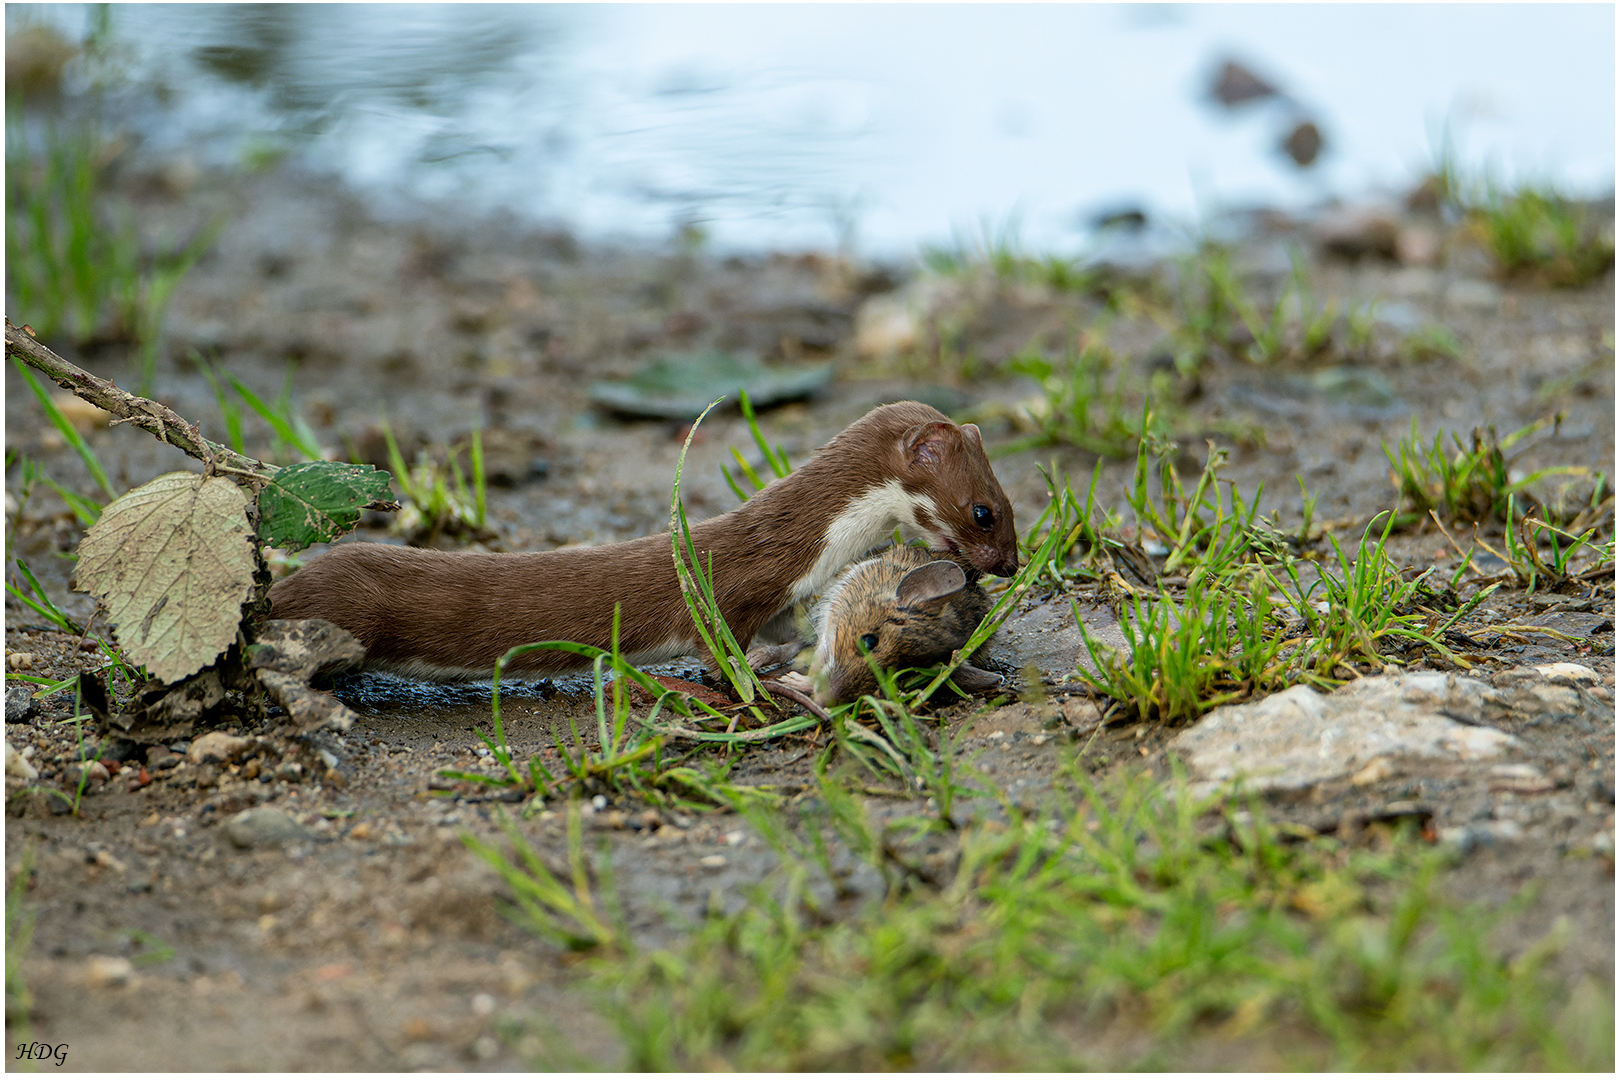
(153, 416)
(163, 422)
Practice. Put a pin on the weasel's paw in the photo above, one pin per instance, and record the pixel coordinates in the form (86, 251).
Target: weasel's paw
(764, 657)
(794, 681)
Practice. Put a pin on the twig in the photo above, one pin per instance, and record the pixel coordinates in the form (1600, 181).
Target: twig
(163, 422)
(153, 416)
(1466, 555)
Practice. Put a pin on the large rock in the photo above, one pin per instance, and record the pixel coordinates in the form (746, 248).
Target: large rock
(1299, 738)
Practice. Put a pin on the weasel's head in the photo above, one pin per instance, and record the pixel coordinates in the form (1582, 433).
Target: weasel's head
(956, 499)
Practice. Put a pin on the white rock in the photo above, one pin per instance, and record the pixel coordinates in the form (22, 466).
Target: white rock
(17, 765)
(1576, 673)
(216, 746)
(885, 326)
(1299, 738)
(103, 971)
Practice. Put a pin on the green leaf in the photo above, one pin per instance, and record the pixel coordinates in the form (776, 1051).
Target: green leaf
(316, 501)
(172, 562)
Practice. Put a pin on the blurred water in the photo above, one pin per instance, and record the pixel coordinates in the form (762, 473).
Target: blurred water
(880, 127)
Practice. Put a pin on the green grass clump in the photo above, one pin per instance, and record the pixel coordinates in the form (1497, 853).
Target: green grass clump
(1541, 555)
(1534, 231)
(437, 495)
(998, 251)
(74, 262)
(20, 919)
(1075, 408)
(1470, 482)
(1215, 313)
(1122, 932)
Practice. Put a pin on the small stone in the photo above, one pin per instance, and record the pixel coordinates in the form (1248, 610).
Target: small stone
(92, 773)
(361, 831)
(20, 661)
(290, 771)
(1417, 245)
(20, 705)
(419, 1029)
(1304, 144)
(262, 826)
(1379, 768)
(1352, 231)
(161, 757)
(712, 862)
(1575, 673)
(1236, 85)
(483, 1004)
(108, 971)
(17, 765)
(216, 746)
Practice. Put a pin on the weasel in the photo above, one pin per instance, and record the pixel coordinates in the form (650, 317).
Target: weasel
(907, 607)
(451, 615)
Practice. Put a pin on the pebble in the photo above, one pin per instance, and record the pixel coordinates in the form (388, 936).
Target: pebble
(20, 661)
(1352, 231)
(97, 772)
(1576, 673)
(20, 705)
(262, 826)
(1417, 245)
(216, 746)
(108, 971)
(17, 765)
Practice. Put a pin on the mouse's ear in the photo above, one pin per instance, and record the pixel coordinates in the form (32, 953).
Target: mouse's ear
(933, 581)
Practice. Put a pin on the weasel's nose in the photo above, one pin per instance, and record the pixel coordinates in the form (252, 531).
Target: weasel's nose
(992, 561)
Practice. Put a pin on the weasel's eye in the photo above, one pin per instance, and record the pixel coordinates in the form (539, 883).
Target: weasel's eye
(983, 517)
(869, 641)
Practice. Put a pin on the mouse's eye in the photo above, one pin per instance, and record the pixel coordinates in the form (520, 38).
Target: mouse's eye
(983, 517)
(868, 642)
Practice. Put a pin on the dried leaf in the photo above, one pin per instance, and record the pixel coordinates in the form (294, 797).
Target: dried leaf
(316, 501)
(172, 562)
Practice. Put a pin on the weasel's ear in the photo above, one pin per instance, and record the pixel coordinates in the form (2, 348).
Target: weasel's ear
(971, 433)
(926, 445)
(933, 581)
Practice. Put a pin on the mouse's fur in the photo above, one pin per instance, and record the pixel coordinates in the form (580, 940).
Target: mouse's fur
(908, 607)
